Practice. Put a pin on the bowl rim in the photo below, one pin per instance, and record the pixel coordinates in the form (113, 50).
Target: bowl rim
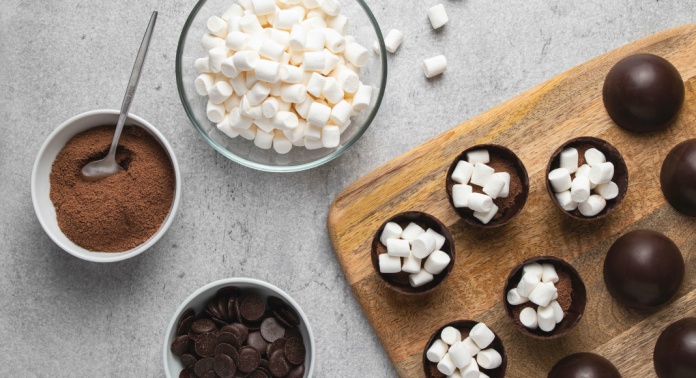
(269, 168)
(118, 256)
(226, 281)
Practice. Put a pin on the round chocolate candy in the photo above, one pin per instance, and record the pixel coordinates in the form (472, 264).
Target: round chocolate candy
(643, 269)
(643, 93)
(678, 177)
(584, 365)
(675, 351)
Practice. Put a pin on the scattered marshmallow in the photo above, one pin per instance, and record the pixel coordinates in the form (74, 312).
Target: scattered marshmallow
(528, 318)
(580, 189)
(489, 359)
(389, 264)
(460, 355)
(565, 199)
(609, 190)
(436, 262)
(482, 173)
(594, 157)
(486, 216)
(602, 173)
(412, 264)
(480, 202)
(419, 279)
(546, 318)
(593, 206)
(460, 195)
(560, 180)
(462, 173)
(514, 298)
(393, 40)
(439, 239)
(569, 159)
(438, 16)
(482, 335)
(412, 231)
(451, 335)
(434, 66)
(437, 351)
(549, 273)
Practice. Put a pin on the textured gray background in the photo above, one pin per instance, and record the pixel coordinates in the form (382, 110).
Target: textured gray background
(63, 317)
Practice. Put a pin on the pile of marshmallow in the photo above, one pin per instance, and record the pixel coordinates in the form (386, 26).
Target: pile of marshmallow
(474, 170)
(283, 73)
(462, 358)
(576, 193)
(413, 244)
(537, 286)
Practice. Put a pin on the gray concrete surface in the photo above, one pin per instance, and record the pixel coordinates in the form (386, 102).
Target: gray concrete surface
(63, 317)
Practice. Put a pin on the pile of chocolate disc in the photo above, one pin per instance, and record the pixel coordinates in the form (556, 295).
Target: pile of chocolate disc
(240, 336)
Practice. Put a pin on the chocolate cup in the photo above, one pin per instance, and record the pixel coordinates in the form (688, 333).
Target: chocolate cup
(467, 214)
(577, 307)
(620, 175)
(448, 247)
(464, 326)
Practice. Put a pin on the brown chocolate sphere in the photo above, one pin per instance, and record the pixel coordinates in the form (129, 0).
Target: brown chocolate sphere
(584, 365)
(678, 177)
(643, 269)
(643, 93)
(675, 351)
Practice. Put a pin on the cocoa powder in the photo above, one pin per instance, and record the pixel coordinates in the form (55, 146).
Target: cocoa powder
(122, 211)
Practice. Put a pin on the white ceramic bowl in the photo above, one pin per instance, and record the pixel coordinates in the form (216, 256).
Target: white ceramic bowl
(41, 186)
(197, 300)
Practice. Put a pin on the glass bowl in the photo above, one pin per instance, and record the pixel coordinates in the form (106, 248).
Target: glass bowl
(362, 25)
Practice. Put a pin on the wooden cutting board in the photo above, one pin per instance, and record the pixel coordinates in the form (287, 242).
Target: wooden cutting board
(533, 125)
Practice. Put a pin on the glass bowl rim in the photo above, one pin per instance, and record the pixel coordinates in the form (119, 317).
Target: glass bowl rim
(269, 168)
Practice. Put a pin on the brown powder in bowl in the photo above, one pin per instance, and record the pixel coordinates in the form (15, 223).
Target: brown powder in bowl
(120, 212)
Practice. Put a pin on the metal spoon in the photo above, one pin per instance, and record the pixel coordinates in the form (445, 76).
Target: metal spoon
(101, 169)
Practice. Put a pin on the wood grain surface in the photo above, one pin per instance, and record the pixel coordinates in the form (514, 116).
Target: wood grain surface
(533, 125)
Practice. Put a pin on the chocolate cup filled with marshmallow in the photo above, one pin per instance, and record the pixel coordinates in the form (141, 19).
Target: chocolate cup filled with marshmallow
(605, 183)
(520, 303)
(413, 253)
(466, 188)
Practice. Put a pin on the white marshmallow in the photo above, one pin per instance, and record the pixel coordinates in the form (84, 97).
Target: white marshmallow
(217, 26)
(291, 74)
(546, 318)
(271, 50)
(301, 11)
(281, 144)
(399, 248)
(460, 195)
(341, 112)
(287, 19)
(412, 231)
(557, 311)
(338, 23)
(235, 10)
(349, 80)
(482, 335)
(462, 173)
(569, 159)
(584, 170)
(203, 84)
(434, 66)
(331, 7)
(494, 186)
(282, 105)
(357, 54)
(393, 40)
(549, 273)
(226, 129)
(210, 42)
(437, 351)
(237, 120)
(471, 371)
(451, 335)
(419, 279)
(203, 65)
(460, 355)
(316, 40)
(310, 4)
(362, 98)
(527, 284)
(480, 202)
(438, 16)
(248, 134)
(389, 264)
(270, 107)
(334, 41)
(313, 132)
(245, 60)
(439, 239)
(560, 180)
(609, 190)
(482, 173)
(248, 110)
(316, 84)
(232, 102)
(285, 120)
(220, 92)
(436, 262)
(542, 294)
(332, 91)
(580, 189)
(555, 295)
(481, 375)
(478, 156)
(528, 318)
(255, 42)
(446, 366)
(318, 114)
(250, 24)
(506, 188)
(298, 38)
(215, 58)
(239, 84)
(297, 133)
(331, 136)
(293, 93)
(228, 68)
(471, 346)
(534, 268)
(330, 62)
(594, 157)
(312, 144)
(215, 112)
(263, 7)
(514, 298)
(258, 93)
(486, 216)
(593, 206)
(263, 139)
(602, 173)
(412, 264)
(565, 199)
(314, 23)
(314, 61)
(267, 71)
(423, 245)
(489, 359)
(233, 23)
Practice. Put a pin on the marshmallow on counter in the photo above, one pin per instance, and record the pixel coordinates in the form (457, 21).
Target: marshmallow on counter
(331, 136)
(220, 92)
(528, 318)
(436, 262)
(357, 54)
(534, 268)
(489, 359)
(494, 186)
(460, 355)
(480, 202)
(569, 159)
(423, 245)
(237, 120)
(549, 273)
(486, 216)
(393, 40)
(281, 144)
(471, 370)
(203, 84)
(391, 231)
(593, 206)
(478, 156)
(245, 60)
(542, 294)
(412, 264)
(264, 140)
(594, 157)
(514, 298)
(557, 311)
(438, 16)
(203, 65)
(546, 318)
(462, 173)
(580, 189)
(471, 346)
(319, 114)
(270, 107)
(215, 112)
(437, 351)
(565, 199)
(419, 279)
(608, 191)
(460, 195)
(439, 239)
(412, 231)
(434, 66)
(482, 173)
(601, 173)
(560, 180)
(294, 93)
(482, 335)
(446, 366)
(389, 264)
(210, 42)
(450, 335)
(527, 284)
(506, 188)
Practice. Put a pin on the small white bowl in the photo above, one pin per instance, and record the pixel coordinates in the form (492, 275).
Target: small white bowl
(41, 185)
(197, 300)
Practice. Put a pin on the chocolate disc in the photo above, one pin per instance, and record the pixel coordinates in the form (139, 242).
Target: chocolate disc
(678, 177)
(227, 292)
(279, 344)
(264, 364)
(271, 330)
(231, 311)
(643, 269)
(193, 335)
(256, 341)
(258, 374)
(290, 316)
(219, 322)
(187, 360)
(222, 307)
(185, 325)
(209, 374)
(203, 366)
(675, 350)
(229, 338)
(295, 351)
(243, 331)
(205, 345)
(213, 308)
(203, 326)
(584, 365)
(186, 314)
(249, 359)
(187, 373)
(224, 366)
(252, 308)
(643, 93)
(233, 330)
(181, 345)
(296, 372)
(228, 350)
(280, 367)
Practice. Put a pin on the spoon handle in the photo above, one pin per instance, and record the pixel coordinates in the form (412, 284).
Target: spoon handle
(133, 83)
